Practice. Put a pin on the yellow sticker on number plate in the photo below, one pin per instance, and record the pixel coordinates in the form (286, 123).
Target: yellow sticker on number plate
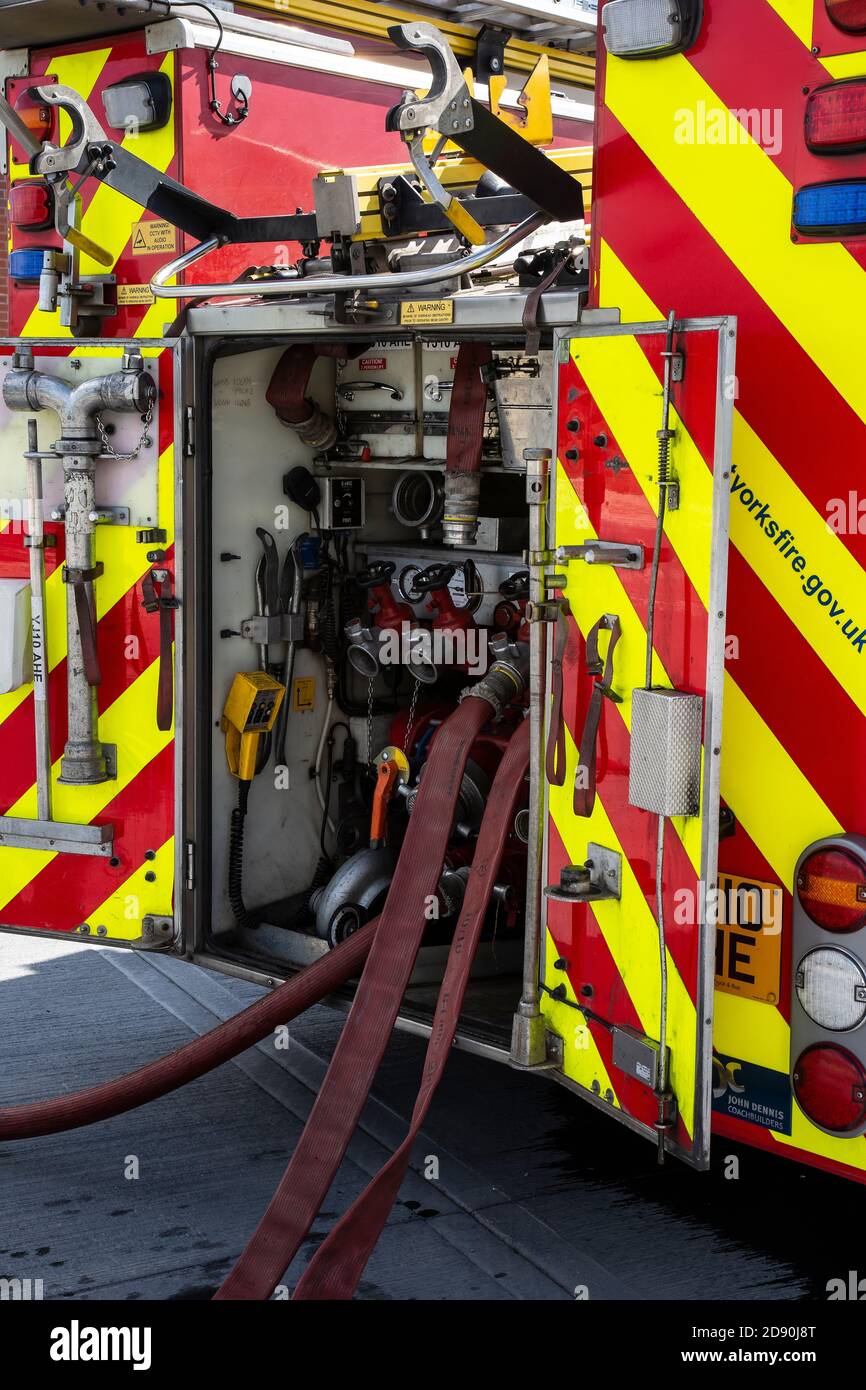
(421, 311)
(749, 938)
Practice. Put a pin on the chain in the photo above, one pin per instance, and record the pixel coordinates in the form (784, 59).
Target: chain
(369, 721)
(108, 447)
(413, 704)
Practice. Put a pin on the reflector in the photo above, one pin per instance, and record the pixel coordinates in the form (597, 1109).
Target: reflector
(849, 15)
(831, 987)
(831, 886)
(836, 118)
(831, 209)
(830, 1086)
(650, 28)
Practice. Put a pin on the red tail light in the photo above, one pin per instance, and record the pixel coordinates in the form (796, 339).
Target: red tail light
(31, 205)
(849, 15)
(830, 1086)
(831, 886)
(836, 118)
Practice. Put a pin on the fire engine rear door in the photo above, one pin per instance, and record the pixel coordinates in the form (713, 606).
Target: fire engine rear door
(635, 762)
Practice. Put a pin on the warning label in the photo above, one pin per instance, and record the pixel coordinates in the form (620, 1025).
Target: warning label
(305, 693)
(420, 311)
(134, 294)
(153, 239)
(373, 364)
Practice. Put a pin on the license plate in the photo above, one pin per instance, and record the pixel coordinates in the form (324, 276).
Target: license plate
(749, 938)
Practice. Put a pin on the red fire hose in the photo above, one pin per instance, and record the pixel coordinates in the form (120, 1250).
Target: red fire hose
(338, 1264)
(195, 1058)
(337, 1109)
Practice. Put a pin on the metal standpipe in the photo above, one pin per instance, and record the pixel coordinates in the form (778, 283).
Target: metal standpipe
(528, 1040)
(79, 445)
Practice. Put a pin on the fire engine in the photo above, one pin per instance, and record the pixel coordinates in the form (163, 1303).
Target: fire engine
(425, 590)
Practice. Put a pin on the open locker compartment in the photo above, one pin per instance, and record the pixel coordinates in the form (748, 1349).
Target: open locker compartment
(235, 484)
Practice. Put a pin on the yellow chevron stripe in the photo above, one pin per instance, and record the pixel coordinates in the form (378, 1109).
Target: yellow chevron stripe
(798, 15)
(828, 558)
(776, 805)
(846, 65)
(626, 390)
(581, 1060)
(125, 562)
(603, 592)
(630, 932)
(647, 98)
(110, 214)
(122, 912)
(130, 723)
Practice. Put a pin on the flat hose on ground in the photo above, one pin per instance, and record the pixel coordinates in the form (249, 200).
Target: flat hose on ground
(337, 1109)
(312, 984)
(337, 1265)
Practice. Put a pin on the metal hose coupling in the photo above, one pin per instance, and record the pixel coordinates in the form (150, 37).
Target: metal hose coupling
(507, 677)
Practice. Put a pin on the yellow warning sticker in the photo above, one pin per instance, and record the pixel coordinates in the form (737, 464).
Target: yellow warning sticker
(304, 693)
(421, 311)
(749, 938)
(134, 294)
(153, 238)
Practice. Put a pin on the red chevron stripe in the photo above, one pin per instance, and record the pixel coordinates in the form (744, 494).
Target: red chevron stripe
(681, 624)
(679, 265)
(63, 895)
(762, 626)
(128, 642)
(579, 940)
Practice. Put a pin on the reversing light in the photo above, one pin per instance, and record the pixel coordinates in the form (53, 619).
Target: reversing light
(831, 887)
(650, 28)
(31, 205)
(836, 118)
(831, 209)
(138, 103)
(849, 15)
(831, 988)
(26, 265)
(830, 1086)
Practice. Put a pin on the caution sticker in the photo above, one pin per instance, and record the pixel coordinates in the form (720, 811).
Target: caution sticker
(749, 938)
(134, 294)
(153, 238)
(423, 311)
(304, 693)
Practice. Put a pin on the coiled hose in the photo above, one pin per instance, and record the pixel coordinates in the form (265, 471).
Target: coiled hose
(236, 858)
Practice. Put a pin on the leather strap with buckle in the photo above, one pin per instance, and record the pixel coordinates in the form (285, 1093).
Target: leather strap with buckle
(85, 616)
(162, 600)
(584, 797)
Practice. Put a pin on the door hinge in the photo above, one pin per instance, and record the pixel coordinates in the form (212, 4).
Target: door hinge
(190, 865)
(189, 431)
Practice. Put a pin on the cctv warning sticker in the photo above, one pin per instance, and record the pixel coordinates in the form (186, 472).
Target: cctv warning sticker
(153, 238)
(749, 938)
(421, 311)
(745, 1091)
